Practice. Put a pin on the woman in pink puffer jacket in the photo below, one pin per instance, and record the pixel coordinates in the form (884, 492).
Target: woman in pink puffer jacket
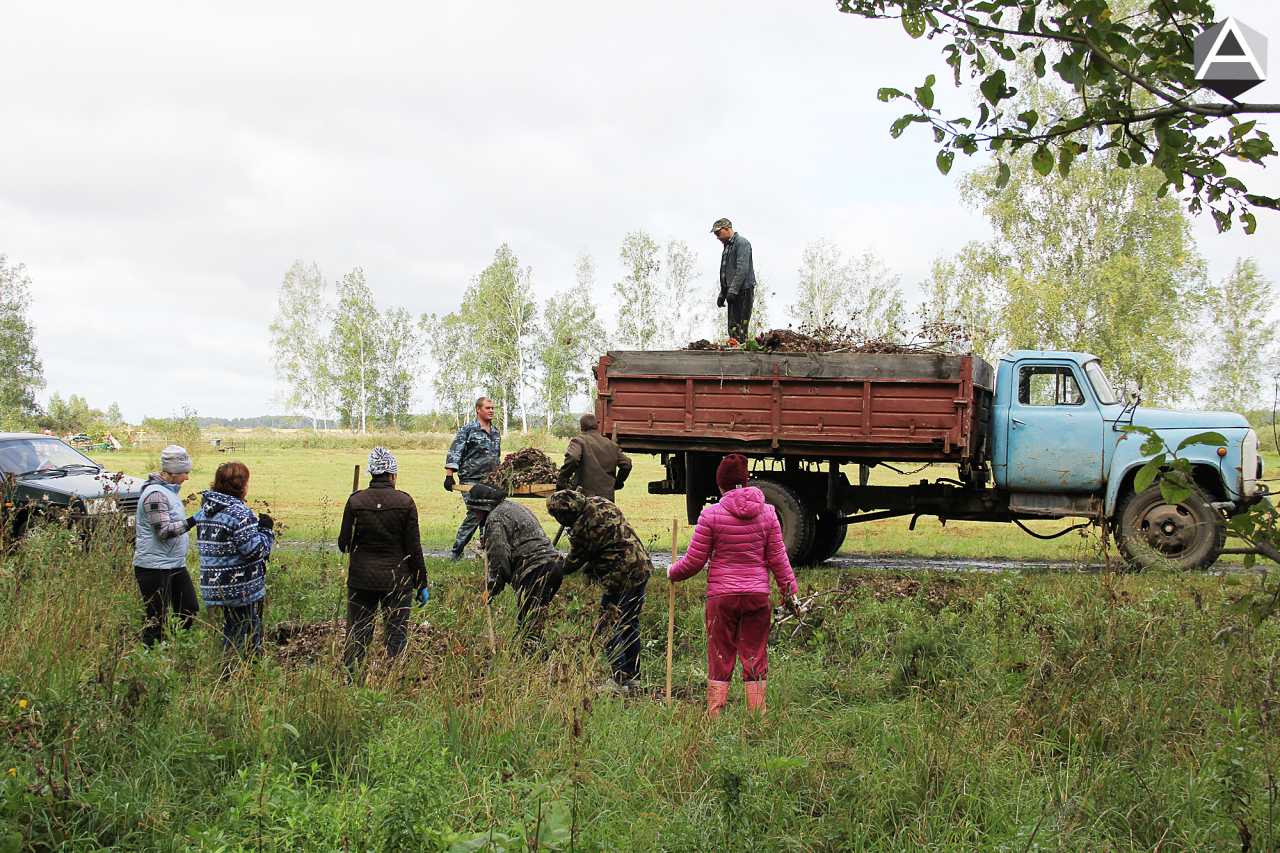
(739, 540)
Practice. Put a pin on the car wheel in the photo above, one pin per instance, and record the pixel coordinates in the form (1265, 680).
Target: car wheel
(828, 536)
(1151, 532)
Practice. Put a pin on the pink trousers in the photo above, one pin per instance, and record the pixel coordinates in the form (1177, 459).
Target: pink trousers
(738, 627)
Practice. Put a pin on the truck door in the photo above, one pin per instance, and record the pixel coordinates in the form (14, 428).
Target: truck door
(1055, 432)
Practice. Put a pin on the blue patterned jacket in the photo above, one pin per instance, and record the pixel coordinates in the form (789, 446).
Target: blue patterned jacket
(474, 452)
(233, 551)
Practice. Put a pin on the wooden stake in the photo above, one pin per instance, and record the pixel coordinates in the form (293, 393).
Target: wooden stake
(355, 481)
(671, 606)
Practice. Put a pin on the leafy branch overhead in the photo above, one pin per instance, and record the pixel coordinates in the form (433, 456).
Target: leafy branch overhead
(1132, 77)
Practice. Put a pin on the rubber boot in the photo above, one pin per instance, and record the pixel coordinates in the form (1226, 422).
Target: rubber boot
(755, 696)
(717, 696)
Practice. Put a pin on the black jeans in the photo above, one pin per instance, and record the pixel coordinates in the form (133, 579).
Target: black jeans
(624, 645)
(534, 600)
(740, 315)
(165, 590)
(362, 605)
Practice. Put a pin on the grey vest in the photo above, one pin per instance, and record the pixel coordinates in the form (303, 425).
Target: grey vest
(149, 552)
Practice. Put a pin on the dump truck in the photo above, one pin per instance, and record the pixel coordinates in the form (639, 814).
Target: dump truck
(1040, 436)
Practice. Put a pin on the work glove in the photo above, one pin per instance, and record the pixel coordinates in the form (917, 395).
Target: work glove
(191, 521)
(266, 522)
(494, 586)
(422, 597)
(720, 301)
(448, 483)
(618, 483)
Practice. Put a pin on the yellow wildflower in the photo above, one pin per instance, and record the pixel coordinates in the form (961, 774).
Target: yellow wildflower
(13, 771)
(22, 703)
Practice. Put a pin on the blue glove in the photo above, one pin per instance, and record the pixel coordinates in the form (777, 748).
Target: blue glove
(422, 597)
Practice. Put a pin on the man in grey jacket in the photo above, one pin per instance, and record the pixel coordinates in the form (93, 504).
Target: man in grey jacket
(737, 278)
(517, 552)
(593, 464)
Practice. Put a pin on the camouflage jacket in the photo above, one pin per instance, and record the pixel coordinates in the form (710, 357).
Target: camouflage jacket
(602, 541)
(474, 452)
(516, 548)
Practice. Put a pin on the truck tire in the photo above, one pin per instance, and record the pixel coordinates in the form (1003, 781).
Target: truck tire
(828, 536)
(1150, 532)
(797, 520)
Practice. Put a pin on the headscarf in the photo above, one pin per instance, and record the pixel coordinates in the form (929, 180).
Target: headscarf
(381, 462)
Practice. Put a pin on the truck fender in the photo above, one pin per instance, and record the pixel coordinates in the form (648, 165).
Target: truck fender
(1208, 477)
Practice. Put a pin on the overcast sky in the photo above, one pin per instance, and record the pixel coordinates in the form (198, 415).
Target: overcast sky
(164, 164)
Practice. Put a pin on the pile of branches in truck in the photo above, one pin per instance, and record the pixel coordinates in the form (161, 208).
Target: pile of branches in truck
(527, 467)
(833, 338)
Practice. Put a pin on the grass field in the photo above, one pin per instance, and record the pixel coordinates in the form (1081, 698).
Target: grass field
(919, 711)
(306, 489)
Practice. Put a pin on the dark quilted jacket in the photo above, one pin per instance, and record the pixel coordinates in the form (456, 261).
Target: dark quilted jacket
(380, 532)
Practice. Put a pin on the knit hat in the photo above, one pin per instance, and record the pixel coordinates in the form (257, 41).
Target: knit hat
(732, 472)
(483, 498)
(175, 460)
(381, 462)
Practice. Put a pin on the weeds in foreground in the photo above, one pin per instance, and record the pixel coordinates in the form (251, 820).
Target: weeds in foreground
(943, 711)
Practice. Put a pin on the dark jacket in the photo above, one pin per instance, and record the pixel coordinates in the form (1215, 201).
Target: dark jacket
(380, 532)
(516, 548)
(737, 271)
(599, 464)
(601, 542)
(475, 451)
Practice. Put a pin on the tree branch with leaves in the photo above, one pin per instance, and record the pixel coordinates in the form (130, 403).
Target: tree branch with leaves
(1132, 79)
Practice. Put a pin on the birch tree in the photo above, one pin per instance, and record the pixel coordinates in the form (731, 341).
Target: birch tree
(643, 313)
(499, 308)
(21, 371)
(356, 327)
(300, 343)
(457, 373)
(688, 311)
(1241, 338)
(860, 293)
(399, 359)
(570, 337)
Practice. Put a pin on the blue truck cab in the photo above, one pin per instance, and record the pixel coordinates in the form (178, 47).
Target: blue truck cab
(1058, 447)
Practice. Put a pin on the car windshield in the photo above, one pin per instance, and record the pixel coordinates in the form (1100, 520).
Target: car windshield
(21, 456)
(1098, 380)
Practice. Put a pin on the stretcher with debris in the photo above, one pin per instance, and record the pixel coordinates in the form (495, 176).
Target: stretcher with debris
(529, 490)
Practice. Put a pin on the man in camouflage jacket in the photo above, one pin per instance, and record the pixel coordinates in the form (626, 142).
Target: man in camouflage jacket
(517, 552)
(476, 450)
(605, 547)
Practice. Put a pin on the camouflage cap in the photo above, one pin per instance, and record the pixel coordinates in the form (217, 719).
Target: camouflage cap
(721, 223)
(565, 506)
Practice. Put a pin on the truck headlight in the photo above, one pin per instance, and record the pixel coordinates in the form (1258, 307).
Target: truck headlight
(1250, 464)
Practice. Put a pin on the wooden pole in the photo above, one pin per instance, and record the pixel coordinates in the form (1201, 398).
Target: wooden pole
(355, 481)
(671, 606)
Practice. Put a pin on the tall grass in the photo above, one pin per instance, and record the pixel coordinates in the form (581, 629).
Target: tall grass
(921, 711)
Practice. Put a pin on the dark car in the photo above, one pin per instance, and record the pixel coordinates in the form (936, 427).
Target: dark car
(43, 477)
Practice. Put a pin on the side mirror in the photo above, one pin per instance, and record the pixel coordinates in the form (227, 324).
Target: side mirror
(1132, 392)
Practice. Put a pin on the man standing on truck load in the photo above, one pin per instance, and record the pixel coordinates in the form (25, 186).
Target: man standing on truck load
(475, 452)
(737, 278)
(599, 464)
(603, 544)
(517, 552)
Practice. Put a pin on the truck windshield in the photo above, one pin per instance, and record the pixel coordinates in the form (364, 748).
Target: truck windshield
(1099, 382)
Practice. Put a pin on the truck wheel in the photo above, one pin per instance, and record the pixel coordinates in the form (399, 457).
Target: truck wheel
(1151, 532)
(796, 519)
(828, 536)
